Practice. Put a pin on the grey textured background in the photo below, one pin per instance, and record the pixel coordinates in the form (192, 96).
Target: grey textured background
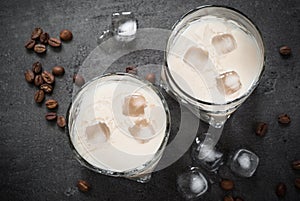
(36, 162)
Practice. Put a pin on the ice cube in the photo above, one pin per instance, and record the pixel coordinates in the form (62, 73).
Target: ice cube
(97, 133)
(206, 155)
(124, 26)
(229, 82)
(191, 183)
(197, 184)
(142, 131)
(224, 43)
(134, 105)
(196, 57)
(244, 163)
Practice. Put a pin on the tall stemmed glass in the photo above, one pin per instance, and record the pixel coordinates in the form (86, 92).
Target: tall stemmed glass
(186, 51)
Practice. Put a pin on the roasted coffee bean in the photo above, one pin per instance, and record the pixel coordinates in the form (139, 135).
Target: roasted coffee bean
(36, 33)
(30, 44)
(131, 70)
(58, 70)
(78, 80)
(37, 67)
(51, 104)
(61, 121)
(296, 165)
(228, 198)
(48, 77)
(83, 186)
(297, 183)
(150, 77)
(44, 37)
(66, 35)
(38, 80)
(40, 48)
(281, 189)
(54, 42)
(285, 50)
(227, 184)
(39, 96)
(238, 199)
(29, 76)
(261, 129)
(47, 88)
(284, 119)
(51, 116)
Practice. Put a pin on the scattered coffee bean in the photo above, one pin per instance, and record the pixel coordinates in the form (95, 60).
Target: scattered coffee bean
(54, 42)
(66, 35)
(297, 183)
(238, 199)
(37, 67)
(30, 44)
(39, 48)
(296, 165)
(78, 80)
(150, 77)
(281, 190)
(51, 116)
(44, 37)
(48, 77)
(228, 198)
(285, 50)
(131, 70)
(39, 96)
(58, 70)
(36, 33)
(83, 186)
(29, 76)
(47, 88)
(261, 129)
(284, 119)
(38, 80)
(61, 121)
(227, 184)
(51, 104)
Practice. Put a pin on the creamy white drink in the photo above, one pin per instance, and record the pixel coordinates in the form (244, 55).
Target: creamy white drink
(119, 123)
(214, 60)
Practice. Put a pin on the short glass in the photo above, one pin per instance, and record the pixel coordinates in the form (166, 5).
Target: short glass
(212, 112)
(83, 111)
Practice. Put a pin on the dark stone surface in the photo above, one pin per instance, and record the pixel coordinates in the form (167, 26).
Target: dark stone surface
(36, 161)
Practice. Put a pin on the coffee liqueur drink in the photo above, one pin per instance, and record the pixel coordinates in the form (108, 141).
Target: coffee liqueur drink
(213, 60)
(119, 124)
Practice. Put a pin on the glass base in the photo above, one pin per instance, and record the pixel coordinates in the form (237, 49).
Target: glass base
(143, 178)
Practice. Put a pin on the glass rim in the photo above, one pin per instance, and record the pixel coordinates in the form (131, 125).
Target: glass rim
(254, 85)
(134, 171)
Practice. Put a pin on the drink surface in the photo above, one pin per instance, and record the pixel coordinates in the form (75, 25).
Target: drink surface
(214, 60)
(119, 125)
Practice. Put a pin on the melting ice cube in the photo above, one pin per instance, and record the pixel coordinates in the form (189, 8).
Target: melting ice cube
(192, 183)
(244, 163)
(134, 105)
(124, 26)
(229, 82)
(224, 43)
(142, 131)
(196, 57)
(207, 156)
(97, 133)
